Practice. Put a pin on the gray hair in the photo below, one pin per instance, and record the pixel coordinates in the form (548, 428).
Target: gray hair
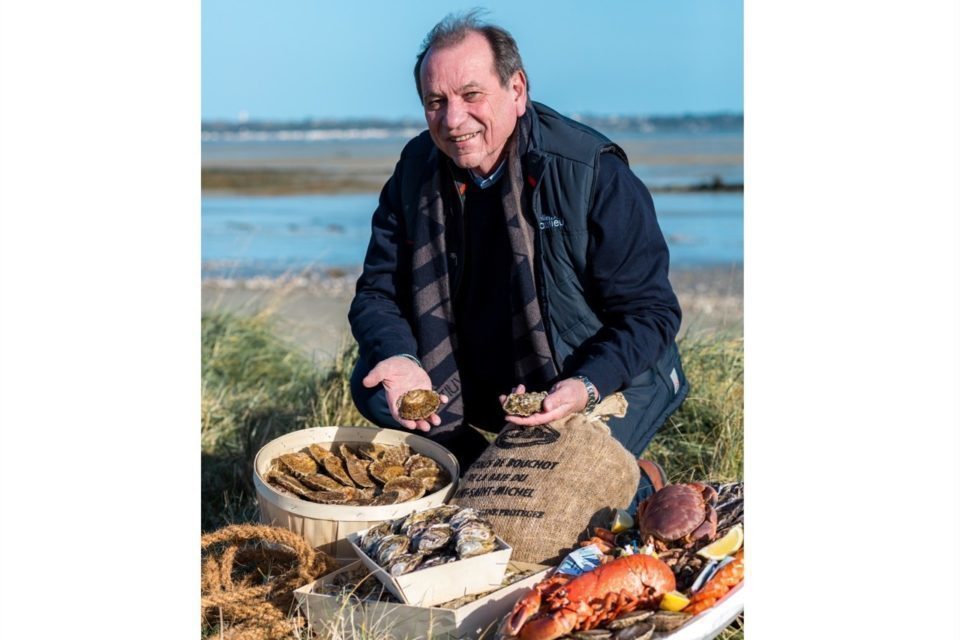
(455, 27)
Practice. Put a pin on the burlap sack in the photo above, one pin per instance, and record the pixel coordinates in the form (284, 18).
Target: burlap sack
(542, 487)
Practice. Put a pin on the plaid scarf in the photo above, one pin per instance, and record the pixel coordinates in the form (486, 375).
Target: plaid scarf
(434, 323)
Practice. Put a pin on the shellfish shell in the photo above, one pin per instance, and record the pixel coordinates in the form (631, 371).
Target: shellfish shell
(390, 547)
(387, 497)
(297, 464)
(405, 563)
(321, 482)
(384, 473)
(356, 468)
(639, 631)
(436, 561)
(669, 620)
(334, 466)
(433, 537)
(524, 404)
(629, 619)
(374, 534)
(408, 488)
(418, 404)
(280, 479)
(417, 462)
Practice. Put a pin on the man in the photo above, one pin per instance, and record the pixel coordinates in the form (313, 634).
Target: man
(512, 249)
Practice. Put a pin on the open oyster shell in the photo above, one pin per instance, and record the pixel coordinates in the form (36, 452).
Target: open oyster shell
(524, 404)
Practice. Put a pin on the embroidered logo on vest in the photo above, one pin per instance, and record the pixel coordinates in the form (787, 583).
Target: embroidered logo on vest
(550, 222)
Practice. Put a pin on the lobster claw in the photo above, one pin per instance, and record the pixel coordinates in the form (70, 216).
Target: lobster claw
(529, 605)
(550, 626)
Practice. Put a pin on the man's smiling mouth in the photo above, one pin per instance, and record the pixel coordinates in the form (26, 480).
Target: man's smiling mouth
(464, 137)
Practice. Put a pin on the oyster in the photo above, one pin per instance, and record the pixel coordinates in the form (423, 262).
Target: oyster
(387, 497)
(524, 404)
(321, 482)
(390, 547)
(418, 404)
(374, 534)
(434, 483)
(462, 517)
(291, 484)
(408, 488)
(366, 493)
(436, 561)
(383, 472)
(668, 620)
(471, 548)
(335, 497)
(334, 466)
(420, 463)
(433, 537)
(318, 453)
(356, 468)
(629, 619)
(297, 464)
(639, 631)
(440, 513)
(405, 563)
(396, 454)
(475, 537)
(371, 451)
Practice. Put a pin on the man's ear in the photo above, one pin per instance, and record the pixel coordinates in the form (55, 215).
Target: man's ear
(518, 84)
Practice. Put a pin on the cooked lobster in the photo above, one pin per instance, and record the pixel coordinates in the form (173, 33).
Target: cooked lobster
(561, 603)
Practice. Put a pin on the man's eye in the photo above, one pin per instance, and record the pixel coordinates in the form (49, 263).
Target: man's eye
(433, 105)
(471, 96)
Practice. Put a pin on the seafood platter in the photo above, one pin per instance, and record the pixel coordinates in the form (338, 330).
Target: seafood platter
(327, 482)
(673, 571)
(435, 555)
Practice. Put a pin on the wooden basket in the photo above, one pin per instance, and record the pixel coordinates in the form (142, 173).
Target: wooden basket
(328, 525)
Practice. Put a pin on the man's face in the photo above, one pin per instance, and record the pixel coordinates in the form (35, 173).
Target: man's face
(470, 116)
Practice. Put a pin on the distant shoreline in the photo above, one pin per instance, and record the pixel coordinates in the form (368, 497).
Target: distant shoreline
(273, 182)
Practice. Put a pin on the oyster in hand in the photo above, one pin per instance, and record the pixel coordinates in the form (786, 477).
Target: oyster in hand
(418, 404)
(524, 404)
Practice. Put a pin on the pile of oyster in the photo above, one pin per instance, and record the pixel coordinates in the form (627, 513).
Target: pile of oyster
(356, 584)
(428, 538)
(359, 473)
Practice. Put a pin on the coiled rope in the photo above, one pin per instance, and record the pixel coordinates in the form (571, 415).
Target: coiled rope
(249, 573)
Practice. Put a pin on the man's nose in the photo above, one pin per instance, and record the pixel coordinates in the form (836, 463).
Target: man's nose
(454, 115)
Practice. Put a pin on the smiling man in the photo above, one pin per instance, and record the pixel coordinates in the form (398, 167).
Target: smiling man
(512, 249)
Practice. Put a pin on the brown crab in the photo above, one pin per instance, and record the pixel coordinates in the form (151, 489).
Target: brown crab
(678, 515)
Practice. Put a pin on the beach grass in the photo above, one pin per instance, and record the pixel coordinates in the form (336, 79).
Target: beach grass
(256, 387)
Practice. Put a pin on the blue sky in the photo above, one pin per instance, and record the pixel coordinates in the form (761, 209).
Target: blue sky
(295, 59)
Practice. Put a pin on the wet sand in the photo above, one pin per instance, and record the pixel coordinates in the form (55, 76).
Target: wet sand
(311, 311)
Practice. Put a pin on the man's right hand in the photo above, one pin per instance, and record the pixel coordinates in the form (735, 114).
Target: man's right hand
(399, 375)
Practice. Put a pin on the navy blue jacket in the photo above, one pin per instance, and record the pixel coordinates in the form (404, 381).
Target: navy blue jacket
(609, 308)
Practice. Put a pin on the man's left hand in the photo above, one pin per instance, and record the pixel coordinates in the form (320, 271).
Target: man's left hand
(566, 397)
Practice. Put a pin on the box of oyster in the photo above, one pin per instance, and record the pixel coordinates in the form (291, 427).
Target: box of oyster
(351, 604)
(434, 556)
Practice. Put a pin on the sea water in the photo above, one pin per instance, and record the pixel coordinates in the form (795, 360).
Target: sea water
(244, 236)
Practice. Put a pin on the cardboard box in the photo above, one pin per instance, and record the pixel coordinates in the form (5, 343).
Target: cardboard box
(329, 615)
(443, 583)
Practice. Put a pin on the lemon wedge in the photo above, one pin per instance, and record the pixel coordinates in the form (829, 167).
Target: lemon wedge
(725, 546)
(674, 601)
(621, 521)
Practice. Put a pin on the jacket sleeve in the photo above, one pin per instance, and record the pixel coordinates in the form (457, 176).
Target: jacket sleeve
(380, 314)
(626, 281)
